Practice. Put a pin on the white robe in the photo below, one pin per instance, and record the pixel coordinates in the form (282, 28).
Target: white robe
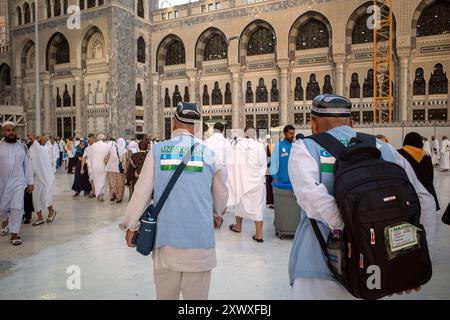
(246, 178)
(16, 172)
(436, 152)
(222, 150)
(96, 158)
(445, 155)
(54, 153)
(44, 177)
(133, 147)
(427, 148)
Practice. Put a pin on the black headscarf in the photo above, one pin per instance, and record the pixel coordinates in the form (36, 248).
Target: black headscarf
(413, 139)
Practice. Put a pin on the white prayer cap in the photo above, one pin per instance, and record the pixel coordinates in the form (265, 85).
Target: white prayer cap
(101, 137)
(8, 123)
(268, 137)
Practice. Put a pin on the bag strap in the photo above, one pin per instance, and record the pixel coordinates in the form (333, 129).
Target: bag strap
(330, 143)
(174, 179)
(366, 138)
(323, 245)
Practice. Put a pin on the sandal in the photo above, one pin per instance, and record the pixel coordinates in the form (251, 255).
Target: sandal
(4, 231)
(257, 240)
(38, 223)
(50, 220)
(233, 229)
(16, 242)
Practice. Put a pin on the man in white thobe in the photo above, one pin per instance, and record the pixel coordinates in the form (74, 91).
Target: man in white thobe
(96, 158)
(54, 152)
(427, 146)
(44, 178)
(445, 154)
(220, 145)
(16, 174)
(87, 160)
(246, 176)
(436, 151)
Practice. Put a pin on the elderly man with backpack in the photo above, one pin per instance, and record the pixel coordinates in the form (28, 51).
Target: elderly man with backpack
(366, 219)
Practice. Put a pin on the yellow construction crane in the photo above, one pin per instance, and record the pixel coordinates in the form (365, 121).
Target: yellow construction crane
(382, 61)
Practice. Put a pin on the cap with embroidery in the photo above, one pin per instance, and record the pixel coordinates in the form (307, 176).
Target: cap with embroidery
(8, 123)
(188, 112)
(329, 105)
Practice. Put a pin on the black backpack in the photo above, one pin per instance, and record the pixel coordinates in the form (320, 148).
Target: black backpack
(383, 248)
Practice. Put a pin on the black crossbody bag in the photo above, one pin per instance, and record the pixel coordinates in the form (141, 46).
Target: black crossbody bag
(144, 239)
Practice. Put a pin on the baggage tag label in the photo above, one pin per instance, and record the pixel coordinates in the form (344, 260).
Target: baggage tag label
(402, 236)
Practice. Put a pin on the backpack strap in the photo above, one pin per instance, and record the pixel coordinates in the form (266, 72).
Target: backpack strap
(330, 143)
(366, 138)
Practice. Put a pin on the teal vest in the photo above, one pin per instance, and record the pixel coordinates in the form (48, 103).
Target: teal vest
(186, 220)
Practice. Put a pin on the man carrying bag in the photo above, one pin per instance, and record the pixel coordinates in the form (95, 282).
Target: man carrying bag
(184, 249)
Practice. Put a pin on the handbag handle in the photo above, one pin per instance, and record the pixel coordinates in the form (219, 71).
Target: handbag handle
(174, 179)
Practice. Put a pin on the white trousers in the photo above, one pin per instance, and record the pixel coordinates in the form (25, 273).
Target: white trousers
(318, 289)
(15, 219)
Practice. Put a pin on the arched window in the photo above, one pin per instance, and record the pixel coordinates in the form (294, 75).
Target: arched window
(81, 4)
(175, 53)
(26, 13)
(434, 20)
(298, 91)
(167, 99)
(274, 92)
(419, 83)
(261, 92)
(49, 9)
(262, 41)
(19, 16)
(216, 48)
(186, 97)
(312, 88)
(56, 8)
(176, 98)
(438, 82)
(91, 3)
(227, 93)
(362, 34)
(62, 52)
(368, 85)
(355, 88)
(5, 76)
(249, 93)
(313, 34)
(205, 97)
(141, 50)
(139, 99)
(66, 6)
(327, 88)
(140, 9)
(216, 96)
(33, 12)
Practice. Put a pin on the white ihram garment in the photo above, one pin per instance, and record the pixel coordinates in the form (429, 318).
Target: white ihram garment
(96, 158)
(436, 152)
(445, 155)
(222, 150)
(44, 176)
(246, 178)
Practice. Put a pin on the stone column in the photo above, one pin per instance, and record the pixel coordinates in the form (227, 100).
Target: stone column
(403, 88)
(78, 105)
(46, 101)
(284, 66)
(235, 73)
(192, 75)
(155, 106)
(18, 92)
(340, 85)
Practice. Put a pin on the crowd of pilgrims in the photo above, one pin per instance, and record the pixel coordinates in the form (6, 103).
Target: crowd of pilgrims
(100, 164)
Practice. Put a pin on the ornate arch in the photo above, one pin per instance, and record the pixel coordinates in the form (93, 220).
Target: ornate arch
(58, 51)
(359, 13)
(163, 49)
(27, 51)
(425, 4)
(302, 21)
(248, 32)
(203, 41)
(92, 39)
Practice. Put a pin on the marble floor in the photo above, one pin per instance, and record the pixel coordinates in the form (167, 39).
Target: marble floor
(85, 234)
